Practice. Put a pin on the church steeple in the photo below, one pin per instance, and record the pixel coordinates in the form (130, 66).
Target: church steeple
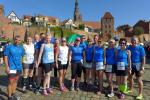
(77, 15)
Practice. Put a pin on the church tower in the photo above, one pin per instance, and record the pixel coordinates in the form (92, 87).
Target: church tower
(77, 15)
(107, 23)
(1, 10)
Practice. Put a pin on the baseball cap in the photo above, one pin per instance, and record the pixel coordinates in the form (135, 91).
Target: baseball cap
(77, 39)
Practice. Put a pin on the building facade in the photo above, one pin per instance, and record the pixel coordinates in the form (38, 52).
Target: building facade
(107, 23)
(14, 18)
(143, 24)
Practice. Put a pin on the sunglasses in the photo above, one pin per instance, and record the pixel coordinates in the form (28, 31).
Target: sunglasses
(63, 41)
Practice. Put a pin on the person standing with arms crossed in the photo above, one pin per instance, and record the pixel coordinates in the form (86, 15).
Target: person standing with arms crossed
(13, 54)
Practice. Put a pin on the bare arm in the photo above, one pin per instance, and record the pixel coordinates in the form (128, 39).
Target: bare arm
(6, 64)
(143, 63)
(40, 54)
(129, 58)
(104, 56)
(69, 56)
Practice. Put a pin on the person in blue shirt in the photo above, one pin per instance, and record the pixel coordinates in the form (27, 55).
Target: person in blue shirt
(83, 45)
(110, 64)
(46, 57)
(123, 61)
(89, 60)
(76, 56)
(138, 62)
(13, 54)
(38, 71)
(98, 59)
(96, 37)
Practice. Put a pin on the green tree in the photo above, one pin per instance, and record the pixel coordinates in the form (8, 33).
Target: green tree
(81, 27)
(138, 30)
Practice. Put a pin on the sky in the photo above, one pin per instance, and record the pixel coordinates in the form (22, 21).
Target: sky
(124, 11)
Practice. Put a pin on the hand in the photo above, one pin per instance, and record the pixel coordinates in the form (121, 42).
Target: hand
(141, 72)
(7, 70)
(129, 70)
(142, 68)
(36, 65)
(69, 64)
(56, 65)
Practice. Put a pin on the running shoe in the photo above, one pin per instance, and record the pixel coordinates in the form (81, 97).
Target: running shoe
(128, 91)
(45, 92)
(139, 97)
(121, 96)
(10, 98)
(24, 89)
(111, 95)
(36, 91)
(72, 88)
(49, 90)
(15, 97)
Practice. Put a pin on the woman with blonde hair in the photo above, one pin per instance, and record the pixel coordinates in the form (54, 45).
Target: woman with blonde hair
(98, 64)
(47, 56)
(28, 62)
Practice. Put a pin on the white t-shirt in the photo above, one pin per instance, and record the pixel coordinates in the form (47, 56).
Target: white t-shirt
(63, 54)
(29, 53)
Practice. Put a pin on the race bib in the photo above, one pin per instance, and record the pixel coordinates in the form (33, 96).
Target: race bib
(99, 66)
(82, 61)
(13, 71)
(108, 68)
(64, 61)
(88, 65)
(1, 49)
(50, 56)
(137, 66)
(30, 58)
(120, 66)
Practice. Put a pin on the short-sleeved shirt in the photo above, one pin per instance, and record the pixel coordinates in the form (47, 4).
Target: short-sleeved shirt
(89, 53)
(83, 45)
(110, 56)
(14, 54)
(137, 53)
(98, 54)
(38, 44)
(122, 56)
(77, 53)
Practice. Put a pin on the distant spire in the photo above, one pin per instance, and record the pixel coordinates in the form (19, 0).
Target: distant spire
(77, 17)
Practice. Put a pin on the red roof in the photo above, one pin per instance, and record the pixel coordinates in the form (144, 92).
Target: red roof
(107, 15)
(27, 17)
(94, 25)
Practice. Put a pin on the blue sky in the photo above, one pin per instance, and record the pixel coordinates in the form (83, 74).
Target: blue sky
(124, 11)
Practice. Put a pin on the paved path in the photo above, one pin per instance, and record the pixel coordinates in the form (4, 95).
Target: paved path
(80, 95)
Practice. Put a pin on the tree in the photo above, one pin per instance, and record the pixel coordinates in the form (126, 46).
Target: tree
(81, 27)
(138, 30)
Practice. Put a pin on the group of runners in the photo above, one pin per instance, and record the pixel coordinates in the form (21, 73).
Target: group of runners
(37, 57)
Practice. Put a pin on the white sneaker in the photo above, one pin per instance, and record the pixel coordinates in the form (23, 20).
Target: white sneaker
(111, 95)
(72, 88)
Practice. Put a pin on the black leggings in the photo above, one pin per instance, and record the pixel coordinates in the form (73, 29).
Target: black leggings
(76, 70)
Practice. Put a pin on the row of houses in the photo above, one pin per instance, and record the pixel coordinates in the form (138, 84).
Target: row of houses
(38, 20)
